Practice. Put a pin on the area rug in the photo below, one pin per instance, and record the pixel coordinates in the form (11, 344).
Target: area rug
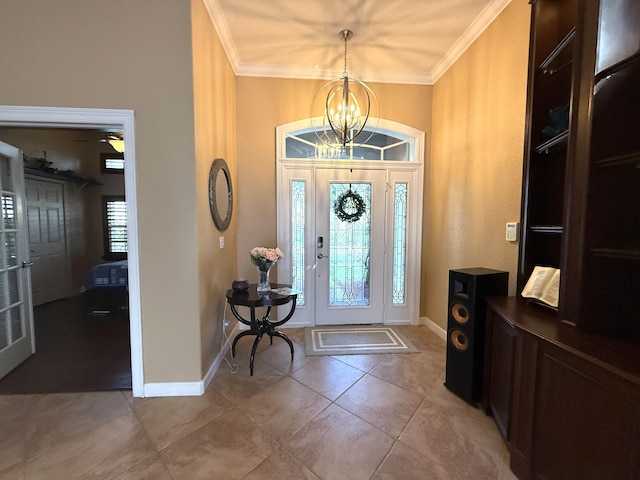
(355, 340)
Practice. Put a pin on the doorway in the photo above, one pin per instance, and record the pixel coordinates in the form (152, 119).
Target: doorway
(120, 120)
(350, 221)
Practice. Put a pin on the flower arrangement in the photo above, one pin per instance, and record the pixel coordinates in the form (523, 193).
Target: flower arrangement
(264, 257)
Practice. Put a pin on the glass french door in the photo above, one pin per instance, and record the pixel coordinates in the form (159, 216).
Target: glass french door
(349, 246)
(16, 314)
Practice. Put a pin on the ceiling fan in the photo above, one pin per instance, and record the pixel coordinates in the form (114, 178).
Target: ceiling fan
(115, 139)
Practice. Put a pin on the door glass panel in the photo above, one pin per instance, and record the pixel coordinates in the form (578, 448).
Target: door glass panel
(4, 334)
(8, 211)
(350, 246)
(10, 252)
(5, 173)
(381, 146)
(17, 332)
(399, 243)
(14, 292)
(298, 215)
(3, 283)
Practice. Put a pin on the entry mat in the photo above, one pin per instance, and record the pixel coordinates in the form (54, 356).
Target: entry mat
(355, 340)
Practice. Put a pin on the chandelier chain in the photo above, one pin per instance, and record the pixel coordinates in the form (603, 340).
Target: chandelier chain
(344, 73)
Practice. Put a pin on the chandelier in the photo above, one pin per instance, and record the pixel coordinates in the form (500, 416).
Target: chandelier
(341, 108)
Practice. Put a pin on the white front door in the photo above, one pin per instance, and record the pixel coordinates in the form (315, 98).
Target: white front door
(47, 244)
(16, 314)
(350, 242)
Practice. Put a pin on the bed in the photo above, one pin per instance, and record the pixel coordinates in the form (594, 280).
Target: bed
(106, 288)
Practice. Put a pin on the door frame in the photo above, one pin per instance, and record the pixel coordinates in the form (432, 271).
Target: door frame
(304, 169)
(92, 118)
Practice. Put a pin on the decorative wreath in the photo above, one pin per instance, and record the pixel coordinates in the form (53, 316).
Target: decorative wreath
(348, 201)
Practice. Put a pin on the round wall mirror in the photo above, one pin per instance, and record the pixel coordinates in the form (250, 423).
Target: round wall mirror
(220, 194)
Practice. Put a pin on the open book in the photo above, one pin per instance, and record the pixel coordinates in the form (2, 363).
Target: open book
(543, 285)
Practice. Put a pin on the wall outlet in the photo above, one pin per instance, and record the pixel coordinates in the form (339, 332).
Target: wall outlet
(221, 240)
(512, 231)
(225, 323)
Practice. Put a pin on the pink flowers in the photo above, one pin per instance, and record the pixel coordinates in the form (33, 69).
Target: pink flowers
(262, 255)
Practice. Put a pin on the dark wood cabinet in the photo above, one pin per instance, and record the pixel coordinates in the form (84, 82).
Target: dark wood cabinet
(500, 351)
(611, 273)
(581, 177)
(564, 386)
(547, 164)
(566, 402)
(587, 425)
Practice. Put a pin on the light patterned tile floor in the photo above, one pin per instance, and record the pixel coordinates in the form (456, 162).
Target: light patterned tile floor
(369, 417)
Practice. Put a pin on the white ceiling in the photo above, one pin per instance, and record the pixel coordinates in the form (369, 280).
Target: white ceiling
(395, 41)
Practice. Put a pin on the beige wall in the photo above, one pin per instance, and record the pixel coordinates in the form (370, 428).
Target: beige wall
(131, 55)
(215, 126)
(265, 103)
(476, 160)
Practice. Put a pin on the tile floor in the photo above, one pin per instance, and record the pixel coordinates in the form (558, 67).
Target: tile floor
(378, 417)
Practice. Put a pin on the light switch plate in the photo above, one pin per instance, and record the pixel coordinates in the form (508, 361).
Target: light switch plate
(221, 239)
(512, 231)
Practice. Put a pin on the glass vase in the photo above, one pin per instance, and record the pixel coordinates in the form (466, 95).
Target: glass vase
(263, 276)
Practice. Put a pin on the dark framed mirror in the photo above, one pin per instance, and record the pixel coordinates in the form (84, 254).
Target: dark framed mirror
(220, 194)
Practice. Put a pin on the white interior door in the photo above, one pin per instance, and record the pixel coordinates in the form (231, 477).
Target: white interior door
(47, 241)
(16, 313)
(349, 253)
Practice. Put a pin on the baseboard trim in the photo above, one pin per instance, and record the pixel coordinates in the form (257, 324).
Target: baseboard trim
(437, 329)
(174, 389)
(190, 389)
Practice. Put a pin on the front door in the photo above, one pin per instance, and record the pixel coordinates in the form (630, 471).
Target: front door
(16, 314)
(350, 239)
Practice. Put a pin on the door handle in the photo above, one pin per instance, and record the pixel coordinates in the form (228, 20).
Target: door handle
(26, 264)
(320, 255)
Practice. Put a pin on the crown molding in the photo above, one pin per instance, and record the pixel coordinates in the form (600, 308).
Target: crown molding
(220, 24)
(470, 35)
(292, 71)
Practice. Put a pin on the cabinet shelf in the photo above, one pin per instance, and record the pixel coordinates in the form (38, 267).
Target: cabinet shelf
(552, 142)
(552, 229)
(620, 160)
(617, 67)
(617, 253)
(548, 66)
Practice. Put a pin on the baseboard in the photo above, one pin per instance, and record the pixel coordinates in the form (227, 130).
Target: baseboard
(437, 329)
(190, 389)
(174, 389)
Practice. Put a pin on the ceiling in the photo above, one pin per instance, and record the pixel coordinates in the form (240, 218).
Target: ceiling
(395, 41)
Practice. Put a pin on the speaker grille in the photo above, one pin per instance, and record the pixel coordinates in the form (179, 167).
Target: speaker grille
(460, 313)
(459, 339)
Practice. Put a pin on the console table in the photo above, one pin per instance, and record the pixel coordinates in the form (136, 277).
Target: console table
(259, 327)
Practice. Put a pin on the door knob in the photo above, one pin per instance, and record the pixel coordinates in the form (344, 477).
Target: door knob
(320, 255)
(26, 264)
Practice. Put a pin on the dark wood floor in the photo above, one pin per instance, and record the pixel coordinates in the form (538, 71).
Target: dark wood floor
(75, 352)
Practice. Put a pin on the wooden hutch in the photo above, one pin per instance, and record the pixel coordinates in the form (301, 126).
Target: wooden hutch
(564, 386)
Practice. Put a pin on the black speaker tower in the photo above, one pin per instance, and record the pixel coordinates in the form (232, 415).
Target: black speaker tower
(466, 327)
